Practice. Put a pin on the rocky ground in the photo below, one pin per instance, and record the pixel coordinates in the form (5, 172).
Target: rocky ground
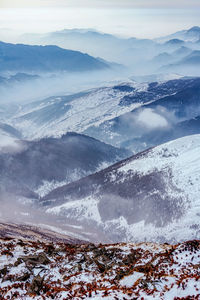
(32, 269)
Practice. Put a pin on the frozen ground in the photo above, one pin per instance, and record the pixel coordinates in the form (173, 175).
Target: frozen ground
(41, 270)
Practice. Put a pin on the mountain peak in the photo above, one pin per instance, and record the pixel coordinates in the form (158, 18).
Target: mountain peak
(194, 29)
(174, 42)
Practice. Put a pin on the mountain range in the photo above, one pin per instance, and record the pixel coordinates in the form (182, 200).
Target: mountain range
(128, 114)
(192, 35)
(132, 52)
(99, 143)
(151, 196)
(26, 58)
(66, 51)
(66, 161)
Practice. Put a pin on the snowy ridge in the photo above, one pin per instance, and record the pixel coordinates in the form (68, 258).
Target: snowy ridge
(86, 209)
(126, 114)
(89, 109)
(182, 158)
(175, 169)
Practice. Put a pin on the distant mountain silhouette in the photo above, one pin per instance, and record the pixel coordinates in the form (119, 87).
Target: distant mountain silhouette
(23, 58)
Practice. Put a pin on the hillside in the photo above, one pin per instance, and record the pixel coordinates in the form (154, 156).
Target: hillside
(34, 168)
(113, 114)
(152, 196)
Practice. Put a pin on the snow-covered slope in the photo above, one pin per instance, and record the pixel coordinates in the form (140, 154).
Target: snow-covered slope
(151, 196)
(43, 165)
(159, 118)
(113, 114)
(35, 233)
(57, 115)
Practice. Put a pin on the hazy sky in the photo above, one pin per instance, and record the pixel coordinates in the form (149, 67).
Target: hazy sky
(102, 3)
(141, 18)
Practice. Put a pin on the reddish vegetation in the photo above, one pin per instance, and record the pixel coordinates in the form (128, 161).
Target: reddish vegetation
(41, 270)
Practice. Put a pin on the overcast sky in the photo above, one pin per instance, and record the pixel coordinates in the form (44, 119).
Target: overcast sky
(102, 3)
(140, 18)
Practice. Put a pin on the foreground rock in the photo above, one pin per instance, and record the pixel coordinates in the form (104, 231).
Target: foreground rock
(55, 270)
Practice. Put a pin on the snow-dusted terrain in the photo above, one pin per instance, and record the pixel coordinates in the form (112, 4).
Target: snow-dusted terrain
(53, 270)
(152, 191)
(57, 115)
(34, 168)
(128, 114)
(151, 196)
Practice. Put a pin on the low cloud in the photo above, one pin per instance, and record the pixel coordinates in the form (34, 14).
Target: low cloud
(151, 119)
(146, 120)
